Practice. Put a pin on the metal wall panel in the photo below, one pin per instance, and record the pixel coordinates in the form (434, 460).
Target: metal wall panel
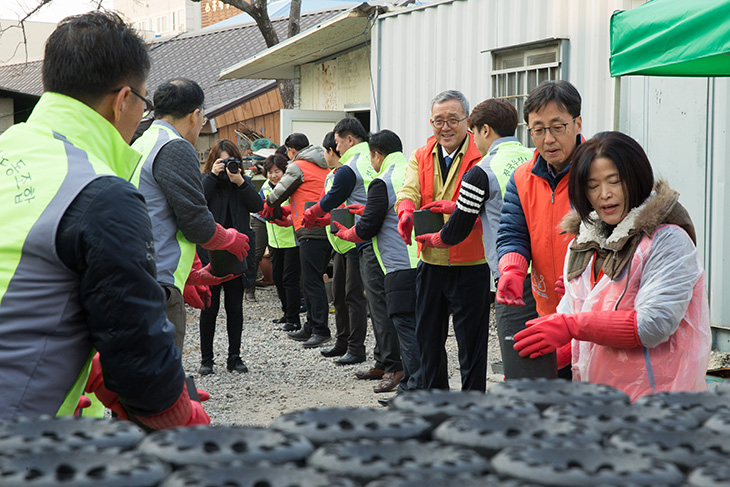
(718, 210)
(682, 123)
(418, 53)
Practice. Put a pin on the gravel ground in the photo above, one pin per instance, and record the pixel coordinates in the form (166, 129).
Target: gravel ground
(284, 377)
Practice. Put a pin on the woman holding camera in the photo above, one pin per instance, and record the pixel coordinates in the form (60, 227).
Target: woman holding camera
(231, 198)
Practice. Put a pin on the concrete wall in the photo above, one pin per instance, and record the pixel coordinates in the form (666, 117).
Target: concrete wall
(12, 46)
(182, 16)
(336, 84)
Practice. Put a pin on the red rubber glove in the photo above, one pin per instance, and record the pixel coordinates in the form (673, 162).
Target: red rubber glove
(345, 233)
(185, 412)
(615, 329)
(564, 355)
(440, 206)
(95, 384)
(560, 286)
(322, 222)
(197, 296)
(84, 402)
(432, 240)
(228, 239)
(267, 212)
(283, 222)
(311, 214)
(285, 211)
(512, 273)
(405, 220)
(202, 276)
(356, 209)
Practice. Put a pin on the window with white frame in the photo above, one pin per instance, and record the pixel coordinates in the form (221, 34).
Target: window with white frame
(517, 70)
(162, 25)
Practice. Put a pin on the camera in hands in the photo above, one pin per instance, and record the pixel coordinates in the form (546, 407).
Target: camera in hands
(233, 165)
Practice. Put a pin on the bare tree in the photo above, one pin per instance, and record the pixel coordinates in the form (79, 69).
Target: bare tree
(258, 12)
(21, 25)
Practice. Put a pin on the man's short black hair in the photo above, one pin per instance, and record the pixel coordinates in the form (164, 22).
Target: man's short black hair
(351, 126)
(499, 114)
(561, 92)
(634, 169)
(177, 98)
(385, 142)
(297, 141)
(329, 143)
(90, 55)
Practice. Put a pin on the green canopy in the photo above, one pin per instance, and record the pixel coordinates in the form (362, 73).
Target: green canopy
(672, 38)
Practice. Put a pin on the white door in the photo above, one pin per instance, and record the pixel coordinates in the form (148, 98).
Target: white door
(313, 123)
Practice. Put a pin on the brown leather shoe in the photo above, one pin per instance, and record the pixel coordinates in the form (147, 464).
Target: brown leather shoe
(373, 373)
(390, 381)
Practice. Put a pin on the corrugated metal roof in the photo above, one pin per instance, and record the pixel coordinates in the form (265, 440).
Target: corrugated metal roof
(199, 56)
(335, 35)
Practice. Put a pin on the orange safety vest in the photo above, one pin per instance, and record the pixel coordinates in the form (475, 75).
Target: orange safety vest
(544, 209)
(309, 190)
(472, 248)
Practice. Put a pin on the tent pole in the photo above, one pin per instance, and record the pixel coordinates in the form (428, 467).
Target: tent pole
(616, 103)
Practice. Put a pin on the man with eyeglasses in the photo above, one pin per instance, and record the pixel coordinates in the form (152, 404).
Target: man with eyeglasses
(77, 272)
(454, 279)
(535, 202)
(169, 178)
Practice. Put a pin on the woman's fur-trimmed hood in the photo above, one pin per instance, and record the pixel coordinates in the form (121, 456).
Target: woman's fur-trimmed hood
(618, 245)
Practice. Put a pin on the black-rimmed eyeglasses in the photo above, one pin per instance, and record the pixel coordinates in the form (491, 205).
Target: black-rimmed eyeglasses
(452, 122)
(555, 129)
(149, 107)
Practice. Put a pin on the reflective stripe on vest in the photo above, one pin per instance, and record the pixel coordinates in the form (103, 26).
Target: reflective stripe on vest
(45, 341)
(340, 246)
(392, 253)
(174, 253)
(278, 237)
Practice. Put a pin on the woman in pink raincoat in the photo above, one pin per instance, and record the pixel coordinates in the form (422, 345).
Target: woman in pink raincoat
(635, 314)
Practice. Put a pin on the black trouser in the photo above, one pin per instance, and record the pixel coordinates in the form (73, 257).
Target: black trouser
(400, 292)
(314, 255)
(175, 308)
(233, 302)
(387, 348)
(512, 319)
(464, 290)
(286, 271)
(351, 318)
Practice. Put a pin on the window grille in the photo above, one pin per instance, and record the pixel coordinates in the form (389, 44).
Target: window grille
(516, 71)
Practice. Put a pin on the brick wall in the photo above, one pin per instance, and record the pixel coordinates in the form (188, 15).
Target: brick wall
(213, 11)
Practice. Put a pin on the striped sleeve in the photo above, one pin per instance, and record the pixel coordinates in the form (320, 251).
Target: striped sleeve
(473, 192)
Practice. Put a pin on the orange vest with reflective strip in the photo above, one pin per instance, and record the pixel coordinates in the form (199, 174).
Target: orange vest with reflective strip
(472, 248)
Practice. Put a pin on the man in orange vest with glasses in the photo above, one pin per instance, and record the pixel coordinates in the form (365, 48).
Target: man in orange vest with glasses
(454, 279)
